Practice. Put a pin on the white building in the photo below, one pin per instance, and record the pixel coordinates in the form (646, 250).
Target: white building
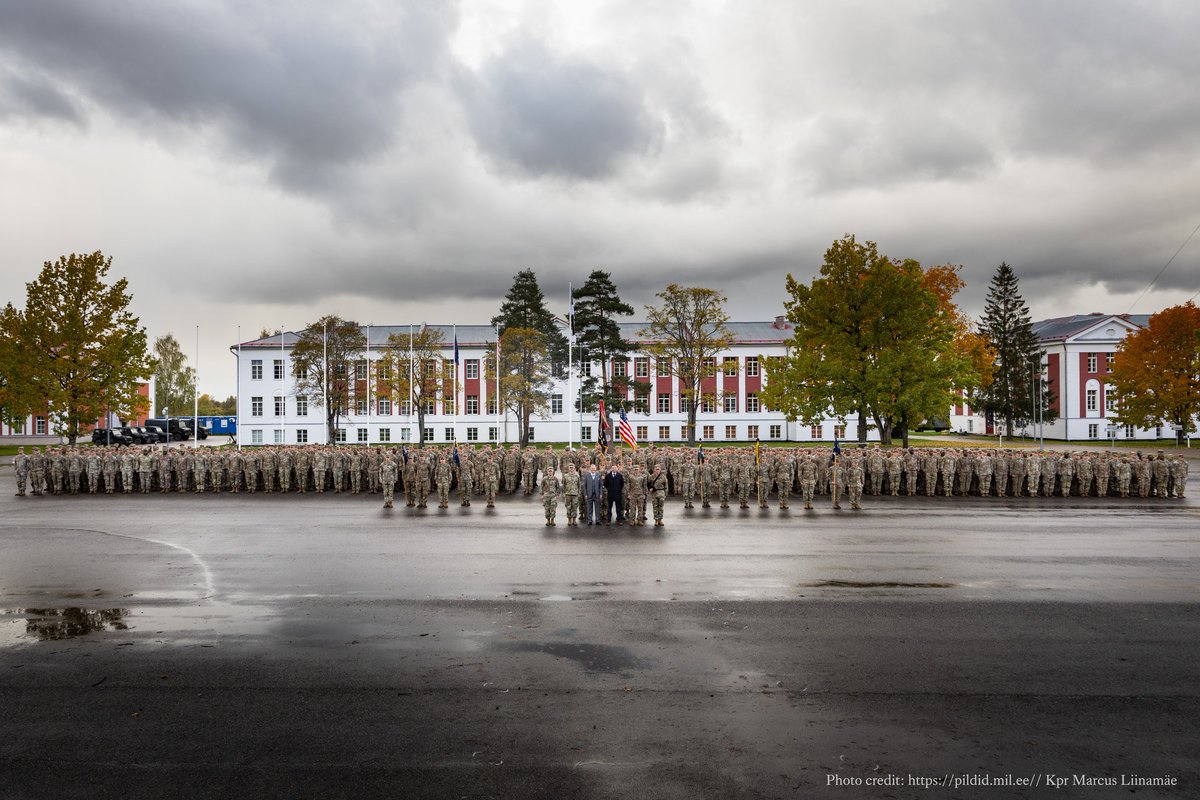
(270, 410)
(1078, 354)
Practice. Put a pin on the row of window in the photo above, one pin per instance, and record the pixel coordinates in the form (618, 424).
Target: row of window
(362, 435)
(17, 427)
(1093, 361)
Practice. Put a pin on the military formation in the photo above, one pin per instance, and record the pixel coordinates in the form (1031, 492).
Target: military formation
(648, 475)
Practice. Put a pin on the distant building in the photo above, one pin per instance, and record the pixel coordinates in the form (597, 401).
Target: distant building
(269, 410)
(1078, 354)
(40, 426)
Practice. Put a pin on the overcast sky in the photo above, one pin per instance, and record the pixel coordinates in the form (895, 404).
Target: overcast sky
(259, 164)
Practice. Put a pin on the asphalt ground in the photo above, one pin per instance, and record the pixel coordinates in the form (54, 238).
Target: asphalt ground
(320, 646)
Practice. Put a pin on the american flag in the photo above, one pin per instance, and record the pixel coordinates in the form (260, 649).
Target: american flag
(626, 431)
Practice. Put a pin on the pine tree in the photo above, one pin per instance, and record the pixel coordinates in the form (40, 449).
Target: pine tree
(531, 344)
(597, 306)
(1009, 330)
(525, 307)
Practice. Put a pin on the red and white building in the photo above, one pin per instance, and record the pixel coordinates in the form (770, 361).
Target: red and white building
(40, 427)
(270, 410)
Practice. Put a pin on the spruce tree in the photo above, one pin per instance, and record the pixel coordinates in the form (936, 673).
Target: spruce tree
(1009, 331)
(597, 306)
(525, 307)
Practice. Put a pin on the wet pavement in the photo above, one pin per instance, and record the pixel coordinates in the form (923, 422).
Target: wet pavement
(319, 646)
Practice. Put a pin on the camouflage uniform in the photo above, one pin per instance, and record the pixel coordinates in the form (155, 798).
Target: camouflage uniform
(37, 471)
(875, 465)
(635, 490)
(284, 463)
(854, 482)
(746, 475)
(550, 496)
(387, 474)
(491, 481)
(686, 483)
(74, 468)
(466, 480)
(94, 468)
(144, 468)
(442, 478)
(658, 493)
(808, 480)
(571, 485)
(21, 468)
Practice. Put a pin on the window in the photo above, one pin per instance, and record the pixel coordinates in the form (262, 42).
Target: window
(360, 406)
(384, 370)
(619, 368)
(339, 435)
(279, 407)
(529, 433)
(491, 406)
(1110, 400)
(472, 434)
(301, 406)
(1093, 431)
(815, 432)
(556, 404)
(1093, 399)
(731, 431)
(731, 404)
(587, 369)
(360, 370)
(751, 431)
(839, 431)
(339, 370)
(729, 366)
(1158, 431)
(709, 365)
(449, 434)
(406, 408)
(472, 367)
(256, 409)
(1128, 431)
(664, 432)
(448, 405)
(643, 433)
(430, 405)
(708, 405)
(279, 369)
(641, 399)
(363, 435)
(302, 436)
(493, 433)
(430, 368)
(472, 404)
(663, 367)
(429, 434)
(1109, 359)
(385, 408)
(17, 427)
(751, 366)
(709, 431)
(776, 431)
(385, 434)
(278, 435)
(448, 369)
(664, 404)
(256, 370)
(39, 426)
(1091, 358)
(752, 402)
(683, 432)
(406, 434)
(970, 426)
(641, 367)
(256, 436)
(585, 433)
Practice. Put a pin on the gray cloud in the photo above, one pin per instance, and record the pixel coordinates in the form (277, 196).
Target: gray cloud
(541, 113)
(35, 97)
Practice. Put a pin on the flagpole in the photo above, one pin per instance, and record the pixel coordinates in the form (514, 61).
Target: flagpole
(454, 383)
(324, 374)
(502, 436)
(196, 395)
(370, 400)
(411, 405)
(282, 390)
(237, 403)
(570, 365)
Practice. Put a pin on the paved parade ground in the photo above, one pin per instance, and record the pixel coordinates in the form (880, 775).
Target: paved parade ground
(319, 646)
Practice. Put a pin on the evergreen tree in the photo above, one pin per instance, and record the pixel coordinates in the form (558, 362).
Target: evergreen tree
(597, 331)
(525, 307)
(1009, 331)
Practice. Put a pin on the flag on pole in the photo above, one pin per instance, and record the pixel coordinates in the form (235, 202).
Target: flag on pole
(456, 350)
(700, 454)
(457, 463)
(626, 431)
(756, 461)
(602, 429)
(837, 450)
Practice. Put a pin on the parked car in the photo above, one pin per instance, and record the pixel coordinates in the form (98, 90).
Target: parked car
(111, 436)
(175, 425)
(160, 435)
(137, 434)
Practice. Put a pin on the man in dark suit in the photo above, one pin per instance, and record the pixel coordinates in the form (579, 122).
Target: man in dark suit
(614, 484)
(591, 493)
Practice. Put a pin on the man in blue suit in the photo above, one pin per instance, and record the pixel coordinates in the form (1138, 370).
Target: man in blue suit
(591, 493)
(614, 484)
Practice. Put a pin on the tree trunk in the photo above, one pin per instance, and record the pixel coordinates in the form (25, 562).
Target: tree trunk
(885, 429)
(862, 426)
(904, 433)
(420, 425)
(692, 408)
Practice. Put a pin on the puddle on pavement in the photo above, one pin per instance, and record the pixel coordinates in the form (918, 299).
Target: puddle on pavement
(180, 624)
(57, 624)
(877, 585)
(592, 657)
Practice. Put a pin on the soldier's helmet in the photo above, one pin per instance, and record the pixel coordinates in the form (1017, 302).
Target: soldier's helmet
(20, 451)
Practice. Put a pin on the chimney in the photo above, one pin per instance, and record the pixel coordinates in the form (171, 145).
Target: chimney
(781, 323)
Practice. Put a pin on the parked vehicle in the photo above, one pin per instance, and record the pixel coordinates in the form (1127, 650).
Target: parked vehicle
(179, 432)
(136, 433)
(160, 435)
(111, 436)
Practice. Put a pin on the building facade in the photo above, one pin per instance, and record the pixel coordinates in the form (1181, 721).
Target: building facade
(270, 411)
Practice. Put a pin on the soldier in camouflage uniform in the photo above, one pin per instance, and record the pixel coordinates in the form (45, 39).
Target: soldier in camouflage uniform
(572, 485)
(875, 465)
(1124, 475)
(442, 478)
(410, 480)
(356, 468)
(21, 468)
(550, 497)
(466, 480)
(745, 477)
(966, 471)
(387, 475)
(912, 471)
(283, 461)
(1000, 470)
(725, 470)
(1179, 474)
(512, 470)
(94, 467)
(164, 471)
(37, 472)
(930, 465)
(125, 462)
(854, 482)
(1162, 474)
(58, 470)
(894, 464)
(635, 491)
(253, 462)
(529, 470)
(1018, 467)
(74, 468)
(658, 494)
(491, 480)
(144, 469)
(984, 468)
(1085, 474)
(808, 480)
(686, 483)
(199, 464)
(1066, 475)
(947, 466)
(374, 469)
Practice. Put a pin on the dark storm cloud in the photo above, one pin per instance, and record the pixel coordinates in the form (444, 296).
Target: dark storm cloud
(545, 114)
(288, 85)
(34, 97)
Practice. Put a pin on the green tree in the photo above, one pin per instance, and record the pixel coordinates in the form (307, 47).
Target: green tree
(597, 306)
(18, 395)
(525, 307)
(411, 368)
(174, 380)
(1157, 372)
(82, 353)
(685, 333)
(1009, 330)
(872, 336)
(525, 376)
(323, 361)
